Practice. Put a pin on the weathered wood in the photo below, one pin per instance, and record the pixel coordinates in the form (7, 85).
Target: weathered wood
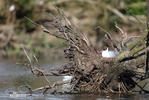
(91, 72)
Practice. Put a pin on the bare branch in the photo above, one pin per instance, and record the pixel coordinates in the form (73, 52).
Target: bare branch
(26, 54)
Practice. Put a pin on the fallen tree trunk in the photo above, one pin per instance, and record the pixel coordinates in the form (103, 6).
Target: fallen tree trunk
(91, 72)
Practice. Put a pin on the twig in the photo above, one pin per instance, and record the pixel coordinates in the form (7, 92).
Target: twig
(124, 36)
(44, 88)
(35, 58)
(103, 30)
(32, 21)
(118, 13)
(29, 59)
(39, 72)
(108, 36)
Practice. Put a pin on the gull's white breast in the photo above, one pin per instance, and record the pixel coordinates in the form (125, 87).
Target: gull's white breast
(109, 54)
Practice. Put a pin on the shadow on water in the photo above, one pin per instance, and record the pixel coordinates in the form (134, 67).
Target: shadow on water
(12, 76)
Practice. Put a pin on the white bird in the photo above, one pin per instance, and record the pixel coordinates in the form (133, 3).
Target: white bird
(109, 54)
(12, 8)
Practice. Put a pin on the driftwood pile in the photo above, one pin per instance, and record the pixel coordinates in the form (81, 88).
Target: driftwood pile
(91, 72)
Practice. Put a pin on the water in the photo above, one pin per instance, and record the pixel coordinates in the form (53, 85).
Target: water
(12, 76)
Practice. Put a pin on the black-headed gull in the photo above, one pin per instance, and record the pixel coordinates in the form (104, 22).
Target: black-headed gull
(109, 54)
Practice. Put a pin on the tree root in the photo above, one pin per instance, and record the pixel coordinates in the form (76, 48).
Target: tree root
(91, 72)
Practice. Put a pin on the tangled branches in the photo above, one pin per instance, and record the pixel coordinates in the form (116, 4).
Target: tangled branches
(91, 72)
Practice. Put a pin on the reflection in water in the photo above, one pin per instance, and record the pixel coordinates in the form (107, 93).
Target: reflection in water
(67, 86)
(12, 76)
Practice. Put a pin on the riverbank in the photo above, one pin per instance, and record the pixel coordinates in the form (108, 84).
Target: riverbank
(87, 17)
(42, 45)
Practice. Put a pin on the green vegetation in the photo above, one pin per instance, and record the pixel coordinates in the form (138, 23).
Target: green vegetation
(137, 8)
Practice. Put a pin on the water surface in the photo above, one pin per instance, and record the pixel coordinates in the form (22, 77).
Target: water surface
(13, 76)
